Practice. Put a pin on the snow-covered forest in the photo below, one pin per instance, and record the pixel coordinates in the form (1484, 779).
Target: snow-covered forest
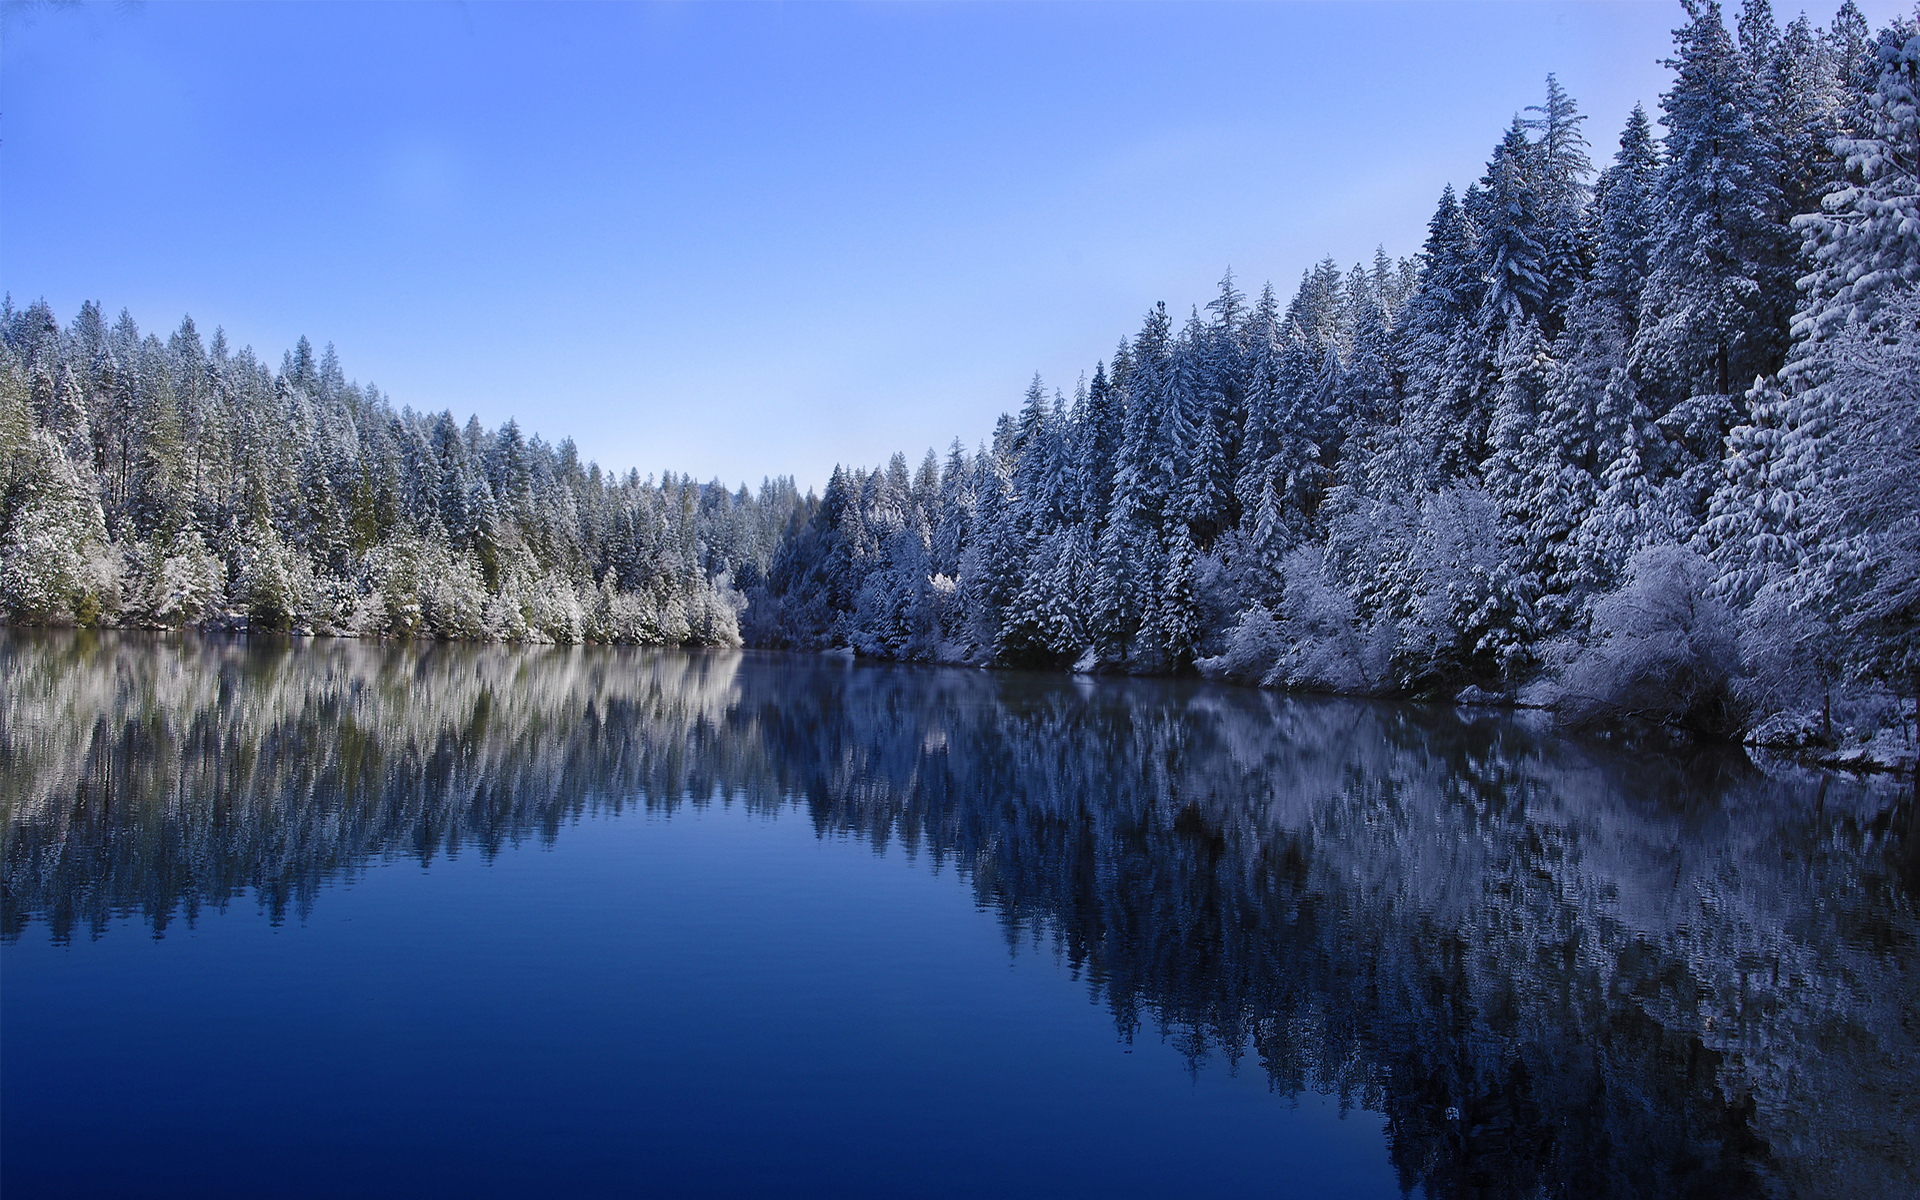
(181, 482)
(1642, 442)
(1645, 439)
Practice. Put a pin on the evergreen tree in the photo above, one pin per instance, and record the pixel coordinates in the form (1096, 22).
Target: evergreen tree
(1715, 306)
(1439, 313)
(1512, 252)
(1865, 241)
(1864, 248)
(1562, 174)
(1260, 435)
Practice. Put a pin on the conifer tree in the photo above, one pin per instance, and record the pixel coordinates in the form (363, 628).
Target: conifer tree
(1715, 305)
(1439, 313)
(1864, 246)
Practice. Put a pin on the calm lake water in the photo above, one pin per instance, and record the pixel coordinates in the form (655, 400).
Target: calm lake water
(338, 919)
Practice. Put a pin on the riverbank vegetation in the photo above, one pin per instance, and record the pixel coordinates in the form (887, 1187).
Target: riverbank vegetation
(1641, 443)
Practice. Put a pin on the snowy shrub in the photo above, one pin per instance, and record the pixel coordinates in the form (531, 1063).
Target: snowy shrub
(713, 616)
(1228, 580)
(1869, 512)
(421, 587)
(1253, 646)
(503, 619)
(672, 619)
(188, 585)
(47, 575)
(392, 603)
(1664, 652)
(55, 564)
(617, 616)
(453, 597)
(1473, 613)
(637, 617)
(760, 619)
(274, 585)
(1791, 657)
(1325, 648)
(371, 614)
(554, 611)
(1370, 544)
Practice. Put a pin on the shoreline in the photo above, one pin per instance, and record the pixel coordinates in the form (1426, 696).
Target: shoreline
(1871, 756)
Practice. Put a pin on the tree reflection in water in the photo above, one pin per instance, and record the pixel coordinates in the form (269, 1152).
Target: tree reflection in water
(1555, 969)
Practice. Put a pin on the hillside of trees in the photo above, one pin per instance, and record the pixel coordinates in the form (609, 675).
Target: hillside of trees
(1641, 442)
(1646, 440)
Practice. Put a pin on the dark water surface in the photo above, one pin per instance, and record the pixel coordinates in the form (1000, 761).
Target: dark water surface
(336, 919)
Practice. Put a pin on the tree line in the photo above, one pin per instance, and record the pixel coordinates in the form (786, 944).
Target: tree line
(181, 482)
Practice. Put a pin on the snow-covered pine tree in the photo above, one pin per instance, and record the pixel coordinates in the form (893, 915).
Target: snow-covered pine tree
(1096, 447)
(957, 505)
(1510, 231)
(1441, 309)
(1715, 304)
(1562, 175)
(1865, 240)
(1260, 435)
(1176, 628)
(55, 563)
(1867, 505)
(1523, 467)
(1864, 245)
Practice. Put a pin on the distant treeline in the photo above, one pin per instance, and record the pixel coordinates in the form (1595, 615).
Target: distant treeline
(1640, 443)
(184, 483)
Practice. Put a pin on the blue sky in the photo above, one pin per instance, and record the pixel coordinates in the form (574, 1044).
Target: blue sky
(741, 240)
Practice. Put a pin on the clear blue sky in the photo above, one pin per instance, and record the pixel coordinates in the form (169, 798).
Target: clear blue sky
(741, 240)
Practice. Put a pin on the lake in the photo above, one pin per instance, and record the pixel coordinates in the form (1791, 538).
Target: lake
(325, 918)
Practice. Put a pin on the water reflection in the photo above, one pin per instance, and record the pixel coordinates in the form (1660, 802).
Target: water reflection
(1556, 970)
